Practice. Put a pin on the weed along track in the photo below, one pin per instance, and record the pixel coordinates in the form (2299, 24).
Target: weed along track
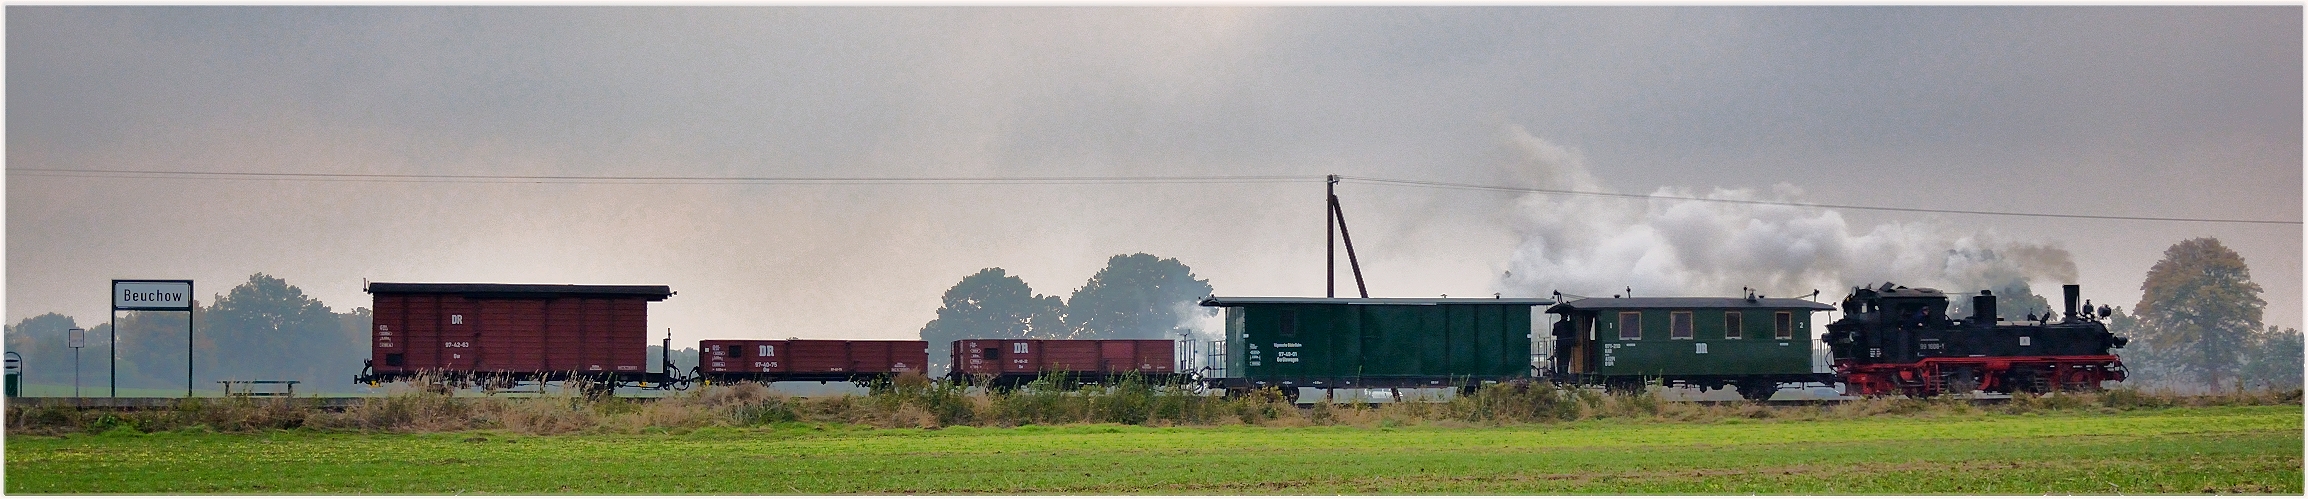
(886, 443)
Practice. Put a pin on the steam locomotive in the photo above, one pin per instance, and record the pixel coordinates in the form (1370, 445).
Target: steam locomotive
(1898, 340)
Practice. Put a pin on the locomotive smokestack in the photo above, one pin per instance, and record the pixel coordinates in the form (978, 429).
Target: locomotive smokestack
(2073, 291)
(1983, 308)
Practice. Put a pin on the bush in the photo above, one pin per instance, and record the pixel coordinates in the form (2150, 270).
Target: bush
(922, 402)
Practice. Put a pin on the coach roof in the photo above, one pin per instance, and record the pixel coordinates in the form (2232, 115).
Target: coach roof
(1680, 302)
(485, 290)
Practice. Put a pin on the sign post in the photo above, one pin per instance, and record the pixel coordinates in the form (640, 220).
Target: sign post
(76, 338)
(152, 295)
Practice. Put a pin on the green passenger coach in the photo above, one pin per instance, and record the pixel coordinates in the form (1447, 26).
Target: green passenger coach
(1753, 344)
(1374, 342)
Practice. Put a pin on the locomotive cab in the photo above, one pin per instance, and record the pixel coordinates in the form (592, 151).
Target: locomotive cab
(1896, 316)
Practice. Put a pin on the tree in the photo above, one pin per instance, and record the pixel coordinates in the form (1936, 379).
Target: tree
(990, 304)
(2199, 303)
(2272, 360)
(268, 329)
(1137, 296)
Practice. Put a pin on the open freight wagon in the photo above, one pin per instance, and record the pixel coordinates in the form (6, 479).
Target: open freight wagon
(1013, 362)
(502, 335)
(722, 361)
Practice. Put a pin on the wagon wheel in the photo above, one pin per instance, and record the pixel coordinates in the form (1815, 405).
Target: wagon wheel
(1962, 381)
(683, 384)
(496, 383)
(2028, 381)
(1757, 391)
(2080, 381)
(593, 388)
(1916, 390)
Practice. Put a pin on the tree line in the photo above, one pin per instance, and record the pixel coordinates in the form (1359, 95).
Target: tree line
(1136, 296)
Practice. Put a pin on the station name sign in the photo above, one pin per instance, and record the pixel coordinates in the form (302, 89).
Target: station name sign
(152, 295)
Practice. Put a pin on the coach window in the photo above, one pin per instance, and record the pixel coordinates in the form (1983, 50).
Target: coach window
(1630, 325)
(1732, 325)
(768, 351)
(1679, 325)
(1784, 323)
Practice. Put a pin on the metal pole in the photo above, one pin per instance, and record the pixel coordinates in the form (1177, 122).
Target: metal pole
(1344, 235)
(190, 327)
(1329, 239)
(75, 372)
(114, 364)
(188, 345)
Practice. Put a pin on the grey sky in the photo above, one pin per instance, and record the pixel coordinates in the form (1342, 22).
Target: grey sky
(2149, 111)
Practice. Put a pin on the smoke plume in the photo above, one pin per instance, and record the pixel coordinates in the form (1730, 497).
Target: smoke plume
(1661, 246)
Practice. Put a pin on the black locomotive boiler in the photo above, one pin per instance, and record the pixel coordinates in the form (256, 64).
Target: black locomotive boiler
(1899, 340)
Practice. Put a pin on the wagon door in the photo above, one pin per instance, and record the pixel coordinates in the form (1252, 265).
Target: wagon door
(593, 334)
(564, 323)
(1070, 355)
(1116, 356)
(512, 337)
(1582, 342)
(871, 357)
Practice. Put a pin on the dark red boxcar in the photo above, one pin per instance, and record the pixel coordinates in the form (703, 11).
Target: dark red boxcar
(1087, 360)
(526, 330)
(809, 360)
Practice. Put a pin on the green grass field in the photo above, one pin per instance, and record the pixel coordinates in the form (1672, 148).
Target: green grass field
(2179, 450)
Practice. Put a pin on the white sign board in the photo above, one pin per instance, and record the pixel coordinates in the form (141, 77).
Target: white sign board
(152, 295)
(76, 338)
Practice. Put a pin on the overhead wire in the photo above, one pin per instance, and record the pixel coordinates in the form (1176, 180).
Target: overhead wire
(1035, 180)
(633, 179)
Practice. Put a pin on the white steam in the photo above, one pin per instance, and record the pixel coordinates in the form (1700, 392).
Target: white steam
(1600, 246)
